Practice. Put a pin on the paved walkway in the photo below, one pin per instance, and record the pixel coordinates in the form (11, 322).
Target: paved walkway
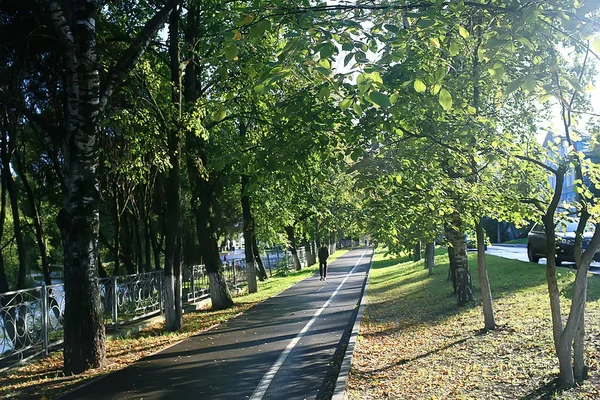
(284, 348)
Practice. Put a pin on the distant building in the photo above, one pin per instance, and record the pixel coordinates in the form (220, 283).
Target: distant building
(568, 192)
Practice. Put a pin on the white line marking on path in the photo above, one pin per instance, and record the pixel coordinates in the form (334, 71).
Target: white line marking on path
(265, 382)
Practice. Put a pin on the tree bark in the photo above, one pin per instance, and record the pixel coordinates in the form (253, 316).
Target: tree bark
(451, 262)
(8, 148)
(79, 218)
(292, 239)
(248, 230)
(173, 309)
(456, 235)
(430, 257)
(417, 252)
(117, 222)
(484, 282)
(202, 208)
(262, 272)
(3, 279)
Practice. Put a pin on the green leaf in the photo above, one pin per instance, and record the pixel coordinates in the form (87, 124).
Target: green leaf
(327, 50)
(445, 99)
(381, 99)
(231, 51)
(419, 86)
(375, 77)
(454, 50)
(219, 113)
(348, 58)
(394, 98)
(324, 92)
(344, 104)
(391, 28)
(357, 109)
(514, 85)
(435, 42)
(529, 84)
(325, 64)
(463, 32)
(435, 89)
(596, 45)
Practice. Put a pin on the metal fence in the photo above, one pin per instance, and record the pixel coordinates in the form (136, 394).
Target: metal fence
(31, 320)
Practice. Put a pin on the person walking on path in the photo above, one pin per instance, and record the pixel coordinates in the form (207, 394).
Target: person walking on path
(323, 255)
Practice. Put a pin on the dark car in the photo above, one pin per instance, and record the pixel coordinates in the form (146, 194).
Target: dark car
(565, 242)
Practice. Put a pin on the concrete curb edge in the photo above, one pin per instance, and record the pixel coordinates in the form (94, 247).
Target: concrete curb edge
(342, 380)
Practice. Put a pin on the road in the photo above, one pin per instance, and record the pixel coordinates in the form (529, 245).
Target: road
(284, 348)
(519, 252)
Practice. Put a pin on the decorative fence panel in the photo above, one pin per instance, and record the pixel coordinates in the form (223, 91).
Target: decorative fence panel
(31, 321)
(137, 296)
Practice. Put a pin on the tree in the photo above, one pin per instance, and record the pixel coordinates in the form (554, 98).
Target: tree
(85, 99)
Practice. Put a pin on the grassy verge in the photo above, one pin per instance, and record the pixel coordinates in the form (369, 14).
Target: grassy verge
(516, 241)
(44, 377)
(415, 343)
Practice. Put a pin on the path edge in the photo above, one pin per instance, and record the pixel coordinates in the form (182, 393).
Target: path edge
(342, 379)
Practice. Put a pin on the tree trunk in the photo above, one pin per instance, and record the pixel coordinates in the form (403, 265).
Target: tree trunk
(292, 239)
(464, 291)
(451, 266)
(79, 219)
(173, 309)
(146, 228)
(417, 252)
(8, 146)
(117, 222)
(3, 279)
(84, 335)
(127, 244)
(202, 207)
(248, 230)
(484, 283)
(430, 257)
(580, 368)
(37, 221)
(262, 272)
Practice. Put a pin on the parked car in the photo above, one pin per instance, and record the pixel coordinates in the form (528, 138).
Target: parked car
(565, 242)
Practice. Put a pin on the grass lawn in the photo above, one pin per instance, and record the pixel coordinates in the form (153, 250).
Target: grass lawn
(415, 343)
(44, 377)
(517, 241)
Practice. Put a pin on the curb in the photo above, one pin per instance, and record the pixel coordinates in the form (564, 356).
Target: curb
(342, 380)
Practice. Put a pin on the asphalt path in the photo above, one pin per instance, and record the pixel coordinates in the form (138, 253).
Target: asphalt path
(519, 252)
(284, 348)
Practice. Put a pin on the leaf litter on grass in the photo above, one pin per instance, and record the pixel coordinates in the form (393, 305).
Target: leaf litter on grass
(416, 344)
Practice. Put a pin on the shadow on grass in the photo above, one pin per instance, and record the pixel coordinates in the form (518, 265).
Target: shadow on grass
(545, 392)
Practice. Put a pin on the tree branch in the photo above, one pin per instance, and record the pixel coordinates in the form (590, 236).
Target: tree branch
(129, 58)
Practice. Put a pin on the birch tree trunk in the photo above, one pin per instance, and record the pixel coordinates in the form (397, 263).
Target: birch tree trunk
(456, 236)
(484, 282)
(79, 218)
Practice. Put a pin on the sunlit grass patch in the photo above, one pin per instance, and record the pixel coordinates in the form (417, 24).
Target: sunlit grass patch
(416, 343)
